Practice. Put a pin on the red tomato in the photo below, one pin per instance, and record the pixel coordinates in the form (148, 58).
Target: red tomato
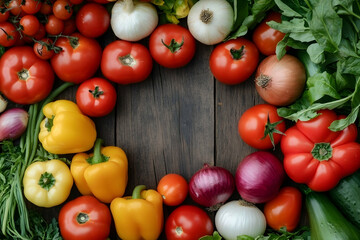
(25, 78)
(15, 7)
(172, 46)
(126, 62)
(78, 60)
(96, 97)
(69, 26)
(31, 6)
(174, 189)
(8, 34)
(54, 25)
(43, 48)
(46, 7)
(188, 223)
(234, 61)
(92, 20)
(258, 120)
(85, 218)
(30, 25)
(265, 37)
(62, 9)
(4, 14)
(284, 210)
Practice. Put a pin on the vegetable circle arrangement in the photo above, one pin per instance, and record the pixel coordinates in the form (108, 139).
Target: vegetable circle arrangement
(303, 57)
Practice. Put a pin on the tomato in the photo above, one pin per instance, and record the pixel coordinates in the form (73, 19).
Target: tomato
(188, 222)
(96, 97)
(92, 20)
(54, 25)
(284, 210)
(85, 218)
(31, 6)
(78, 60)
(62, 9)
(43, 48)
(265, 37)
(259, 120)
(126, 62)
(172, 46)
(25, 78)
(234, 61)
(317, 156)
(174, 189)
(30, 25)
(40, 33)
(15, 7)
(69, 26)
(4, 14)
(8, 34)
(46, 7)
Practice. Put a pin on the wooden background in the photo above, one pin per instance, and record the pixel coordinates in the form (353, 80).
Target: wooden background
(174, 122)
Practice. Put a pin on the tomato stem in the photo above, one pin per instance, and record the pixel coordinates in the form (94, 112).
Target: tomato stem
(237, 53)
(96, 92)
(127, 60)
(174, 46)
(322, 151)
(82, 218)
(23, 74)
(270, 129)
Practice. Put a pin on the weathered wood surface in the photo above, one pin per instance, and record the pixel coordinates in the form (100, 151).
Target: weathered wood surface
(174, 122)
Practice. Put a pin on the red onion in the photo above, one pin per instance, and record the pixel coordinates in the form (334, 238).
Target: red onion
(13, 123)
(259, 177)
(211, 186)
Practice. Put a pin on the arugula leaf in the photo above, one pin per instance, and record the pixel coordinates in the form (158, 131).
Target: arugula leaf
(320, 85)
(215, 236)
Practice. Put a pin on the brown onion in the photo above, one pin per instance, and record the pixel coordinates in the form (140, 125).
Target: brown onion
(280, 82)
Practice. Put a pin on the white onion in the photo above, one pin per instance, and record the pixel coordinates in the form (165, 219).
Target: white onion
(210, 21)
(133, 21)
(13, 123)
(239, 217)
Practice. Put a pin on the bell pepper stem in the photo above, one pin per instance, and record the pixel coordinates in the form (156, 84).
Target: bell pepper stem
(98, 157)
(136, 194)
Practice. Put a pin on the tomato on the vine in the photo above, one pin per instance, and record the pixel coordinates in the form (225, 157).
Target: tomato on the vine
(233, 61)
(62, 9)
(30, 24)
(174, 189)
(25, 78)
(92, 20)
(188, 222)
(4, 14)
(54, 25)
(8, 34)
(78, 60)
(43, 48)
(284, 210)
(265, 37)
(85, 218)
(96, 97)
(31, 6)
(125, 62)
(261, 127)
(172, 46)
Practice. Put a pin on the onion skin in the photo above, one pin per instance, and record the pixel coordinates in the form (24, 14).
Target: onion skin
(259, 177)
(211, 186)
(280, 83)
(13, 123)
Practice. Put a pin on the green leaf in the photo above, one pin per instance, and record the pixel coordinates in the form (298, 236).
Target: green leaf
(287, 10)
(281, 47)
(350, 65)
(241, 11)
(215, 236)
(306, 36)
(293, 25)
(341, 124)
(326, 26)
(244, 237)
(316, 53)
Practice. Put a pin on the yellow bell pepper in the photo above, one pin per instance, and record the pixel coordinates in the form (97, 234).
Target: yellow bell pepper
(103, 173)
(139, 217)
(65, 129)
(48, 183)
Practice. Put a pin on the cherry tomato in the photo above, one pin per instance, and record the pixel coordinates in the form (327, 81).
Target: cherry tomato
(92, 20)
(4, 14)
(62, 9)
(96, 97)
(46, 7)
(54, 25)
(265, 37)
(174, 189)
(40, 33)
(126, 62)
(254, 122)
(172, 46)
(8, 34)
(31, 6)
(78, 60)
(234, 61)
(188, 222)
(69, 26)
(85, 218)
(44, 48)
(15, 7)
(284, 210)
(30, 25)
(25, 78)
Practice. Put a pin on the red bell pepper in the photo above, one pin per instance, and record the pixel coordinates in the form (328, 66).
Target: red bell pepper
(317, 156)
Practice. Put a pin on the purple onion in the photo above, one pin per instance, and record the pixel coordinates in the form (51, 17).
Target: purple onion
(211, 186)
(259, 177)
(13, 123)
